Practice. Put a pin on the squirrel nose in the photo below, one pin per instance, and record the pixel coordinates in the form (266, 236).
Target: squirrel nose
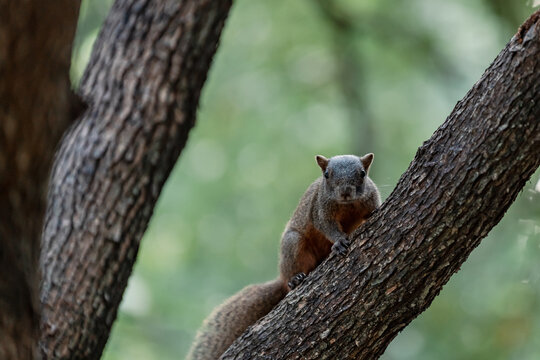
(346, 193)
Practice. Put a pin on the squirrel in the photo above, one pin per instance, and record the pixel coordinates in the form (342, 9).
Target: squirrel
(332, 207)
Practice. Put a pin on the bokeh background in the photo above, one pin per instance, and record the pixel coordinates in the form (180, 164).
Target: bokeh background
(292, 79)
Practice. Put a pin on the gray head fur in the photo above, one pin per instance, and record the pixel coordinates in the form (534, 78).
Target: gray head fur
(344, 176)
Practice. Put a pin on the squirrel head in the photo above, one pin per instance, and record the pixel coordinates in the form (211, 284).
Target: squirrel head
(344, 176)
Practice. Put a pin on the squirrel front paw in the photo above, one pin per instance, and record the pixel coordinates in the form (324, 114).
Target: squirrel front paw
(296, 280)
(341, 246)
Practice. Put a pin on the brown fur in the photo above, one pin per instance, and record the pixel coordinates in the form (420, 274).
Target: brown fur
(351, 217)
(229, 320)
(320, 221)
(313, 247)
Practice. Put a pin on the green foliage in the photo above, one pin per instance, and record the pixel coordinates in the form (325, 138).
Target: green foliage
(274, 99)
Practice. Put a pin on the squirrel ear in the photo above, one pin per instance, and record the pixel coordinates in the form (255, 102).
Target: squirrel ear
(322, 161)
(366, 161)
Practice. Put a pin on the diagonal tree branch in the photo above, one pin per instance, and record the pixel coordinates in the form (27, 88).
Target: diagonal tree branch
(143, 84)
(457, 188)
(36, 107)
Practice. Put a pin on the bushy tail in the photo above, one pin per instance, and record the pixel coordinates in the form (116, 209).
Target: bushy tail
(229, 320)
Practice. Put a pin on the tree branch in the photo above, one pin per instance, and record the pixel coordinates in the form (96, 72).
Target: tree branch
(143, 84)
(36, 105)
(457, 188)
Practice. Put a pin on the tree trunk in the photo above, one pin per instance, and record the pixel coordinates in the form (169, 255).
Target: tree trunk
(143, 84)
(457, 188)
(36, 107)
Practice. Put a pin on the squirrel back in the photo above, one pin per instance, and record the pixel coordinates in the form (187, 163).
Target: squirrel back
(332, 207)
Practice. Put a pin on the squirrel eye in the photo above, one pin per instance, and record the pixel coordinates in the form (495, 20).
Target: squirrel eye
(362, 173)
(326, 175)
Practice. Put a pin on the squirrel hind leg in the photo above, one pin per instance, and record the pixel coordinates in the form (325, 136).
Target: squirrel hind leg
(294, 258)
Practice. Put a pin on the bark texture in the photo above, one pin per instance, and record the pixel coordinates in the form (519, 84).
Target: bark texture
(457, 188)
(36, 106)
(142, 84)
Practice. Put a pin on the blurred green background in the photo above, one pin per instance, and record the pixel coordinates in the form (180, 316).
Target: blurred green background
(292, 79)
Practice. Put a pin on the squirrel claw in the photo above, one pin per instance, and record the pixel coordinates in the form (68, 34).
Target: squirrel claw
(296, 280)
(341, 247)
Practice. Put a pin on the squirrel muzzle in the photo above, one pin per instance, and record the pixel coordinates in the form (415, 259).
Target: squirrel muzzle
(347, 193)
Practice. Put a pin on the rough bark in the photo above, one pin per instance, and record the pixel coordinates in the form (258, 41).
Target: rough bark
(457, 188)
(36, 106)
(142, 84)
